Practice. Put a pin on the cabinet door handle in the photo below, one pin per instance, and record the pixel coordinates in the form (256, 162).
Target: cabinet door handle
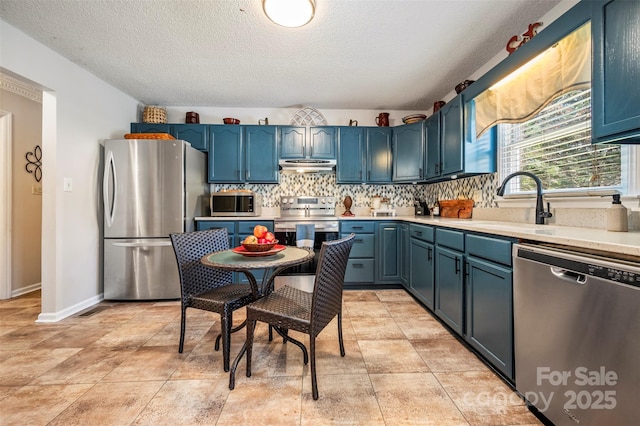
(429, 254)
(466, 269)
(357, 227)
(419, 233)
(358, 240)
(457, 265)
(437, 168)
(358, 265)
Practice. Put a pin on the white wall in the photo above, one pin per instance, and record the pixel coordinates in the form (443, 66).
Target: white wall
(79, 111)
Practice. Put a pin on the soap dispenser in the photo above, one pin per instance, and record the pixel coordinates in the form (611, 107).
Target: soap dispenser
(617, 216)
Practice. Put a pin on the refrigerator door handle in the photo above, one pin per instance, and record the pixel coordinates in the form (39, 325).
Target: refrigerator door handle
(153, 244)
(109, 210)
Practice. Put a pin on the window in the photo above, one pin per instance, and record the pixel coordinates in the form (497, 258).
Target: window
(555, 144)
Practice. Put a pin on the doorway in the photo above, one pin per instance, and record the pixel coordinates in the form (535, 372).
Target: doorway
(20, 191)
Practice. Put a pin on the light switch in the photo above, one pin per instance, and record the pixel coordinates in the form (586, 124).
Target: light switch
(36, 189)
(68, 184)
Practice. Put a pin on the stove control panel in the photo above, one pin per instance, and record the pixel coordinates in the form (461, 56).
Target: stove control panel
(307, 206)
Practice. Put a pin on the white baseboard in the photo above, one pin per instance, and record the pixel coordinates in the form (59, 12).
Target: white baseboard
(25, 290)
(57, 316)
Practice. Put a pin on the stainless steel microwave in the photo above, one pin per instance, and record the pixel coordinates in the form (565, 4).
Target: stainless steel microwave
(235, 203)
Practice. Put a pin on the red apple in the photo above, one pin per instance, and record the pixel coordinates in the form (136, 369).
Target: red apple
(270, 237)
(260, 230)
(262, 241)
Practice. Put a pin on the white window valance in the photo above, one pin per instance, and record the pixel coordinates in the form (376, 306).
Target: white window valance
(563, 67)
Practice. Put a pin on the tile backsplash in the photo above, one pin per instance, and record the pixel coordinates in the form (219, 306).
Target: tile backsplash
(400, 195)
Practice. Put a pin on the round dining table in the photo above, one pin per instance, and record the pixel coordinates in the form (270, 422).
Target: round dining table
(272, 263)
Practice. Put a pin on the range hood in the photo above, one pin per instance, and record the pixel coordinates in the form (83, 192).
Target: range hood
(307, 166)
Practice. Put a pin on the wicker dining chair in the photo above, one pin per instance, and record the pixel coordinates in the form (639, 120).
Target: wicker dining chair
(289, 308)
(207, 288)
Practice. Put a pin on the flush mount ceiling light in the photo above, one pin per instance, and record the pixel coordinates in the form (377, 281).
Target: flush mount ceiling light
(289, 13)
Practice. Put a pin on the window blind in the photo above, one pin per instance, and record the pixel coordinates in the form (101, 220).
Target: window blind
(556, 145)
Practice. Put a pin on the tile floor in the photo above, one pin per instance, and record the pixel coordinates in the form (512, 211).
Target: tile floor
(121, 366)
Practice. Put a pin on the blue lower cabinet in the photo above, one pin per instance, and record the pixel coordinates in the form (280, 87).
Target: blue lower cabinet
(405, 253)
(203, 225)
(388, 253)
(449, 288)
(359, 271)
(489, 316)
(421, 271)
(360, 267)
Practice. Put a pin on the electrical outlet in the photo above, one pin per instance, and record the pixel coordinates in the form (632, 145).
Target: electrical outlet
(68, 184)
(477, 195)
(36, 189)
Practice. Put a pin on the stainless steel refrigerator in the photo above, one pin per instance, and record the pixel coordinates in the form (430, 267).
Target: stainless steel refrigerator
(151, 188)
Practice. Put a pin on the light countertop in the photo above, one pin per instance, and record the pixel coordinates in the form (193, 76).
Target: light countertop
(627, 243)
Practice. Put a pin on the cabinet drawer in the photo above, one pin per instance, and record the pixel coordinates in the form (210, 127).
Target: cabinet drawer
(246, 226)
(422, 232)
(211, 224)
(362, 245)
(494, 249)
(348, 227)
(449, 238)
(359, 271)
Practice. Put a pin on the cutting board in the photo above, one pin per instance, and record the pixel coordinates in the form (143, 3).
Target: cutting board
(461, 209)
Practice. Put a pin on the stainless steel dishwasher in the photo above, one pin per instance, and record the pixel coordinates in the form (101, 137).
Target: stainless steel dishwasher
(577, 335)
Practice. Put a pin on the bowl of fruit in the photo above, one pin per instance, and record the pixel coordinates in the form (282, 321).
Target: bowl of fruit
(261, 240)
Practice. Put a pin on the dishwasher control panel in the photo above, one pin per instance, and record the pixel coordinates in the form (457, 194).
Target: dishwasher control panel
(587, 265)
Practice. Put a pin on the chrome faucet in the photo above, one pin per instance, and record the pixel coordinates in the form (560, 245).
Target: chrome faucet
(540, 213)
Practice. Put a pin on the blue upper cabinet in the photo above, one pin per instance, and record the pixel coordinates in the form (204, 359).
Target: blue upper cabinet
(195, 134)
(293, 141)
(322, 143)
(150, 128)
(351, 155)
(261, 154)
(226, 164)
(615, 30)
(313, 143)
(364, 155)
(408, 152)
(451, 134)
(378, 153)
(432, 166)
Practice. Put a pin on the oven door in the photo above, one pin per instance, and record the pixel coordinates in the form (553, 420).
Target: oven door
(289, 238)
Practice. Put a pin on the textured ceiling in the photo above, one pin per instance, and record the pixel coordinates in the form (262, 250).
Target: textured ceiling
(355, 54)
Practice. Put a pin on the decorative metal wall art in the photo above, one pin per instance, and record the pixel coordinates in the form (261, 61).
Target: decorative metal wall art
(515, 42)
(34, 163)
